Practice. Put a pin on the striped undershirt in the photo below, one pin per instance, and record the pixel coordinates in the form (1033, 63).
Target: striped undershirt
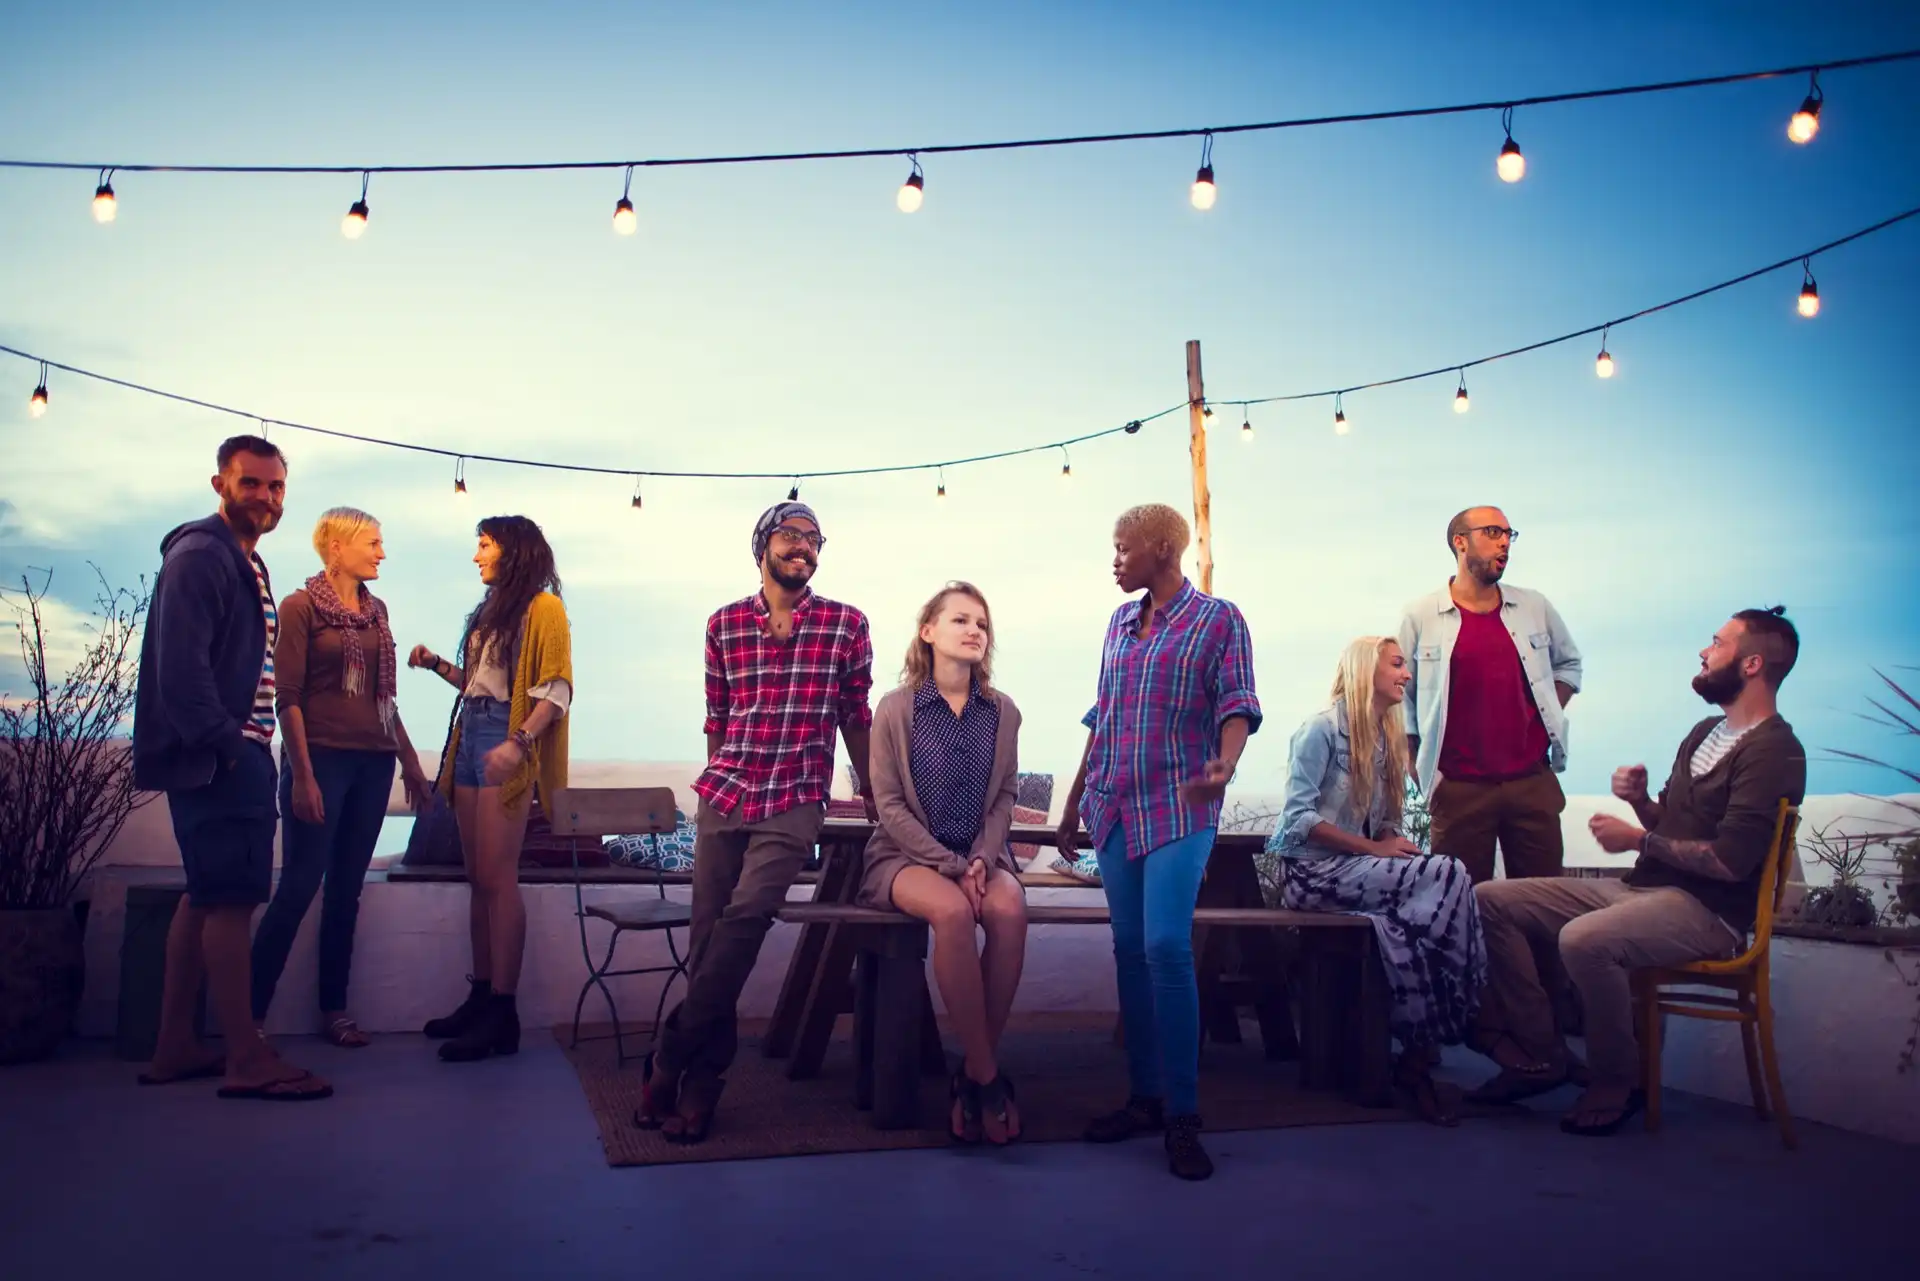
(1714, 748)
(259, 726)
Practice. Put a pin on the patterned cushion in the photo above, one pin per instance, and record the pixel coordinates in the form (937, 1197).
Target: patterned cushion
(676, 848)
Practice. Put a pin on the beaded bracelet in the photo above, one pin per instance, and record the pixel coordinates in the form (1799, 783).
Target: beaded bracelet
(525, 740)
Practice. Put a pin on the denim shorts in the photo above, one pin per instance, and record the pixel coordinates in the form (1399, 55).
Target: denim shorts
(483, 727)
(225, 832)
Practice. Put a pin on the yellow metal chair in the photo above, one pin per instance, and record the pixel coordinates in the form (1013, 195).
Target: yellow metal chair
(1744, 994)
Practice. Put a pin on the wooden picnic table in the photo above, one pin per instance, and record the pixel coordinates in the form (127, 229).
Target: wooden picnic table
(1233, 965)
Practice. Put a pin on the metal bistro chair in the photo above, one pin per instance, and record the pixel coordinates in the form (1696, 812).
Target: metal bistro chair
(622, 811)
(1745, 994)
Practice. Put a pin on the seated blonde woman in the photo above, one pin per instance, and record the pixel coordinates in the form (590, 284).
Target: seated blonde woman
(944, 766)
(1346, 851)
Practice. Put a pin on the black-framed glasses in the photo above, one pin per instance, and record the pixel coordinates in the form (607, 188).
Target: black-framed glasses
(792, 534)
(1496, 531)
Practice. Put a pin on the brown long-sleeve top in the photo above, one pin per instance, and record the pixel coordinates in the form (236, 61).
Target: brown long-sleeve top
(309, 668)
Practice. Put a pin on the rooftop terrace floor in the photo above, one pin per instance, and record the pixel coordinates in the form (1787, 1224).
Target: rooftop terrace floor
(421, 1169)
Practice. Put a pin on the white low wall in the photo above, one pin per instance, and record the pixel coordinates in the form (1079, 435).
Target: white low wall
(411, 958)
(1842, 1013)
(1842, 1010)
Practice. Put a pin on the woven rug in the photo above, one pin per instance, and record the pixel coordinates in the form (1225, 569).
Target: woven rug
(1065, 1066)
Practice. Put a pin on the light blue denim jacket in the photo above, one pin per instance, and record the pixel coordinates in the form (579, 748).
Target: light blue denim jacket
(1320, 789)
(1547, 653)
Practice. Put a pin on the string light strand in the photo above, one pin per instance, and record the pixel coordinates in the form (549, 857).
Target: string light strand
(1804, 257)
(1304, 122)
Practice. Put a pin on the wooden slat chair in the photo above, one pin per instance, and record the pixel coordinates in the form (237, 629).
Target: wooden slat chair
(1744, 994)
(581, 813)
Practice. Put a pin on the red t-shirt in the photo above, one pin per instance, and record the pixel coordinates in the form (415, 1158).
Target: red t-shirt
(1494, 731)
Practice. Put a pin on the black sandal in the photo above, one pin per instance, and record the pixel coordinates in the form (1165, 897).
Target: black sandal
(1600, 1129)
(967, 1092)
(993, 1099)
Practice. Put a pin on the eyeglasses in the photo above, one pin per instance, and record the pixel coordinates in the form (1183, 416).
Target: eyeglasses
(811, 537)
(1495, 531)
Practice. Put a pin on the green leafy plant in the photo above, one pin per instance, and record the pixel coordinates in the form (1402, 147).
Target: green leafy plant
(1846, 902)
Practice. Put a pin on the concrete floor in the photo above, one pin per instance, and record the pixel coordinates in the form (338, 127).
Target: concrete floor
(418, 1169)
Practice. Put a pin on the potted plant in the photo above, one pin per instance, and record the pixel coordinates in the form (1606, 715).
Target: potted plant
(66, 789)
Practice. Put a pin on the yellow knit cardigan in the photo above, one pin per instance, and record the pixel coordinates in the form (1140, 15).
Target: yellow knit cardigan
(546, 654)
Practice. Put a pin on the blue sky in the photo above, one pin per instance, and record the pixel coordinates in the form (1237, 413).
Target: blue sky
(789, 318)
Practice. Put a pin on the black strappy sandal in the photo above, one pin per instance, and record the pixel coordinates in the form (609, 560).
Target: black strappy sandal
(995, 1095)
(964, 1090)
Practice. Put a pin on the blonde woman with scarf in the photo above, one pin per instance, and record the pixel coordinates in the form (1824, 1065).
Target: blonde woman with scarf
(334, 670)
(1342, 833)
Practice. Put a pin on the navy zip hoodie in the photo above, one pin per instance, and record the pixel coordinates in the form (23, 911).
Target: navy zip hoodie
(200, 660)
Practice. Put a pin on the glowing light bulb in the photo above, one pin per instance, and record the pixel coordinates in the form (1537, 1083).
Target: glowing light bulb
(1246, 431)
(1204, 192)
(1805, 122)
(1603, 366)
(1066, 471)
(625, 221)
(459, 486)
(1512, 166)
(1340, 424)
(355, 224)
(941, 492)
(1809, 298)
(912, 193)
(38, 404)
(1460, 401)
(105, 207)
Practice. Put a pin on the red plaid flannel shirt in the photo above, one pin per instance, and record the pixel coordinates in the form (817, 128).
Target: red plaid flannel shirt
(778, 705)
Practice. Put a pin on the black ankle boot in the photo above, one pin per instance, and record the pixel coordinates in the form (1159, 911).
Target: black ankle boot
(495, 1031)
(463, 1018)
(1139, 1116)
(1185, 1157)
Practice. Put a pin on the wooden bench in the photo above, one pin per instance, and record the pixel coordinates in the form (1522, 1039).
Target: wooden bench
(1342, 996)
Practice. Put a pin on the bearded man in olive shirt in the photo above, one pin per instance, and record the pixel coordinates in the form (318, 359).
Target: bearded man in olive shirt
(1692, 895)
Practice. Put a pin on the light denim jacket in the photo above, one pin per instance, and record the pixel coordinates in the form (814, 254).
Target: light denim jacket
(1547, 653)
(1320, 789)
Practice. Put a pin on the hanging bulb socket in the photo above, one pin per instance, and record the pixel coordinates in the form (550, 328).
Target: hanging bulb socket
(354, 225)
(1460, 397)
(1204, 192)
(1511, 166)
(636, 493)
(1806, 121)
(1603, 363)
(941, 492)
(913, 192)
(105, 207)
(1066, 464)
(625, 221)
(1340, 427)
(459, 475)
(1809, 292)
(1246, 426)
(793, 495)
(37, 403)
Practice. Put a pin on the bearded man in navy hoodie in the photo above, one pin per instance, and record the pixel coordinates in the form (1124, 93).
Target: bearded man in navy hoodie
(203, 726)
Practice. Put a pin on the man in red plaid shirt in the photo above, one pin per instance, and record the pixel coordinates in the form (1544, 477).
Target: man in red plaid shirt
(785, 670)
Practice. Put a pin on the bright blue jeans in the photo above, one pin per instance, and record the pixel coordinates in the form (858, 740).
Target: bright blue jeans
(1150, 901)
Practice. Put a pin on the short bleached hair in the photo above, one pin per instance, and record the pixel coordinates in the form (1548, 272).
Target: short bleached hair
(1157, 523)
(339, 524)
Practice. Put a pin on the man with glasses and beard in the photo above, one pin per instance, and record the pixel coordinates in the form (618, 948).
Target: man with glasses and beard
(203, 726)
(786, 669)
(1692, 894)
(1493, 669)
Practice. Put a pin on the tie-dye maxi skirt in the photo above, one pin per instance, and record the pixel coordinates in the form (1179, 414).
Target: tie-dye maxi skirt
(1428, 926)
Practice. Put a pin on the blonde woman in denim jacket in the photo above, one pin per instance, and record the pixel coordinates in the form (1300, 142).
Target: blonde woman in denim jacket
(1342, 835)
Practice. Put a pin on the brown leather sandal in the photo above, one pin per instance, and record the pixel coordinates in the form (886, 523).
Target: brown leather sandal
(346, 1034)
(656, 1105)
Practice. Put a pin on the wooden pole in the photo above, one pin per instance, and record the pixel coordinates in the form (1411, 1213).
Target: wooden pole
(1197, 446)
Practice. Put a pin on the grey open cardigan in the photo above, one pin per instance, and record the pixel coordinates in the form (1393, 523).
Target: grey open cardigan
(902, 839)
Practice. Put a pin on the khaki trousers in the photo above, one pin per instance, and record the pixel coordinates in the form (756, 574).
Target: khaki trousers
(741, 875)
(1522, 815)
(1602, 930)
